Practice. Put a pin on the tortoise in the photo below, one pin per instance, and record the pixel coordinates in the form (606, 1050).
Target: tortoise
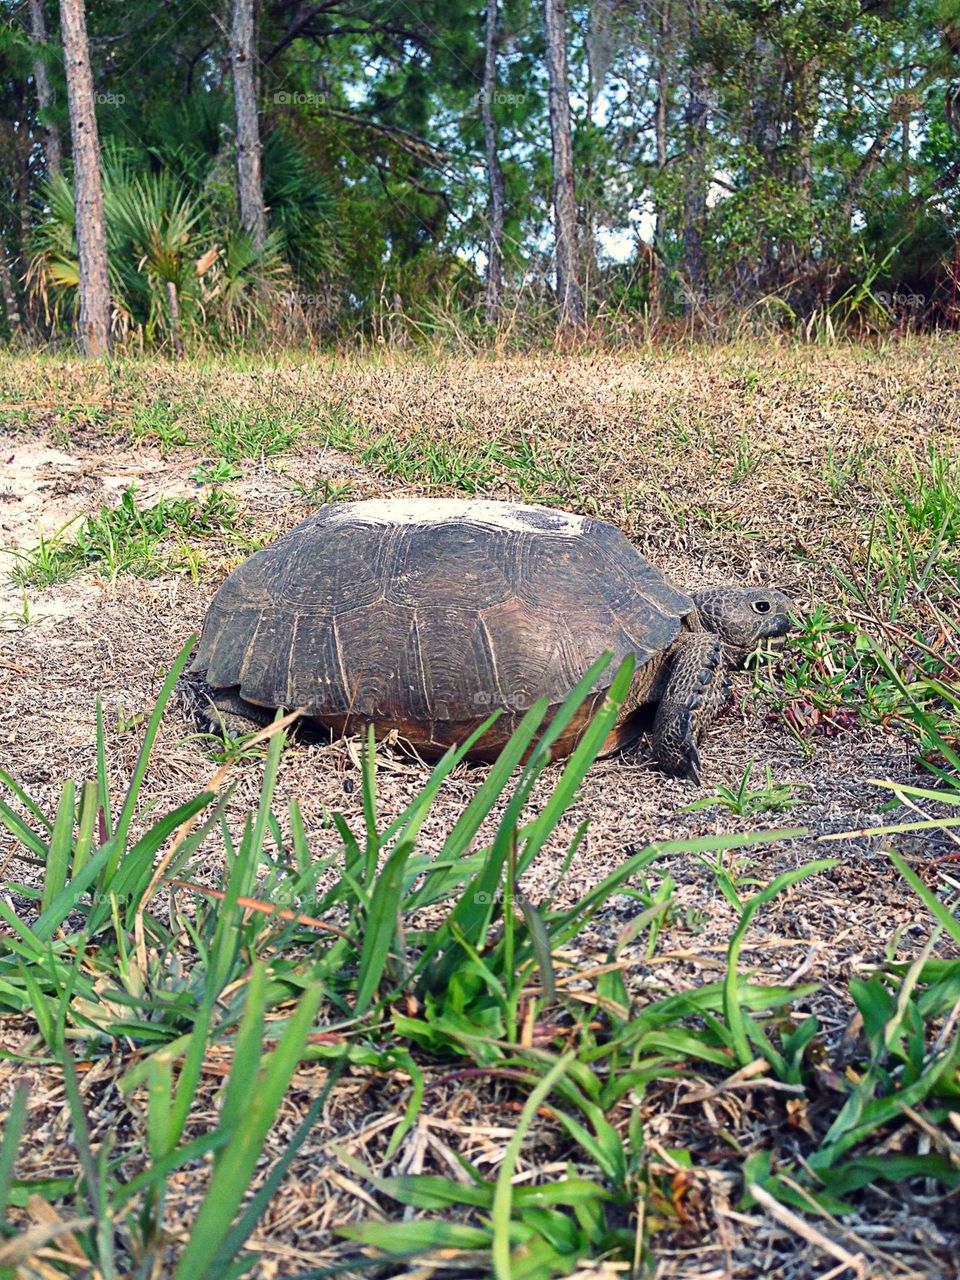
(424, 616)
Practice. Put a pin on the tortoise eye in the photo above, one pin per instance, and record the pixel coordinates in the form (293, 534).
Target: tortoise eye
(760, 606)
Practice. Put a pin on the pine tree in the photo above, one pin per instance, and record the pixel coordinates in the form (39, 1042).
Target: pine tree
(94, 290)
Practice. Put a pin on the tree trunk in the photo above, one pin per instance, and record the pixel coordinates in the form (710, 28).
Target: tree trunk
(761, 273)
(253, 214)
(94, 317)
(9, 293)
(173, 307)
(52, 150)
(661, 115)
(805, 85)
(695, 187)
(569, 294)
(494, 281)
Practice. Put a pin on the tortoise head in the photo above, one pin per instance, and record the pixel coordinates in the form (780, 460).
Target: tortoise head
(743, 617)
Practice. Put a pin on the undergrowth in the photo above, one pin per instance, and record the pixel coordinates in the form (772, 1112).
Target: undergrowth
(900, 593)
(408, 960)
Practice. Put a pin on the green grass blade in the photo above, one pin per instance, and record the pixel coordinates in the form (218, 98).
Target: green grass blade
(502, 1212)
(580, 760)
(566, 924)
(417, 1237)
(540, 941)
(240, 1232)
(408, 822)
(937, 909)
(10, 1146)
(732, 1008)
(22, 833)
(237, 1161)
(380, 927)
(925, 722)
(31, 806)
(103, 777)
(440, 878)
(143, 758)
(571, 705)
(85, 827)
(190, 1073)
(159, 1170)
(69, 897)
(159, 1087)
(242, 1082)
(369, 785)
(945, 795)
(248, 868)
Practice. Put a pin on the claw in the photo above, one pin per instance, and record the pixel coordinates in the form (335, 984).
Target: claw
(693, 763)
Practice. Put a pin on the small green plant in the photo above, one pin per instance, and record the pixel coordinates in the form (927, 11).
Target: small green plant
(229, 433)
(843, 469)
(830, 680)
(340, 428)
(425, 459)
(21, 617)
(746, 459)
(215, 473)
(163, 421)
(911, 552)
(476, 468)
(771, 797)
(223, 748)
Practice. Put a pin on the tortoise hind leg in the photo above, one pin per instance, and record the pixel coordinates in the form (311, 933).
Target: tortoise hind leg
(695, 690)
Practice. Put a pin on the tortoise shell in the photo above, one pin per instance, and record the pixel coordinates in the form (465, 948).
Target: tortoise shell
(426, 615)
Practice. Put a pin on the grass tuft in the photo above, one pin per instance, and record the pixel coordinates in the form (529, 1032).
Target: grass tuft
(145, 542)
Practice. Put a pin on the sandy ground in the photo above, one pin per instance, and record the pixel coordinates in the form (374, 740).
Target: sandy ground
(89, 639)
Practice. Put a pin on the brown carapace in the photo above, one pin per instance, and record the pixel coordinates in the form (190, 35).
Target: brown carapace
(424, 616)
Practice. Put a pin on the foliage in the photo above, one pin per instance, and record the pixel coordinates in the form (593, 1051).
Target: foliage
(829, 182)
(903, 582)
(171, 270)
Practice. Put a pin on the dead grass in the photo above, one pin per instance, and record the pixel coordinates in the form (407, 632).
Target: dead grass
(754, 464)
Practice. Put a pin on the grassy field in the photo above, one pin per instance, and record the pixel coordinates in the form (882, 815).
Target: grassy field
(285, 1008)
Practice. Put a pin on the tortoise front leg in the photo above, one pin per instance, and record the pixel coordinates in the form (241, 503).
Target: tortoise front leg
(221, 710)
(697, 685)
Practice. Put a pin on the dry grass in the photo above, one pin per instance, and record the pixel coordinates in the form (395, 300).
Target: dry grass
(755, 465)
